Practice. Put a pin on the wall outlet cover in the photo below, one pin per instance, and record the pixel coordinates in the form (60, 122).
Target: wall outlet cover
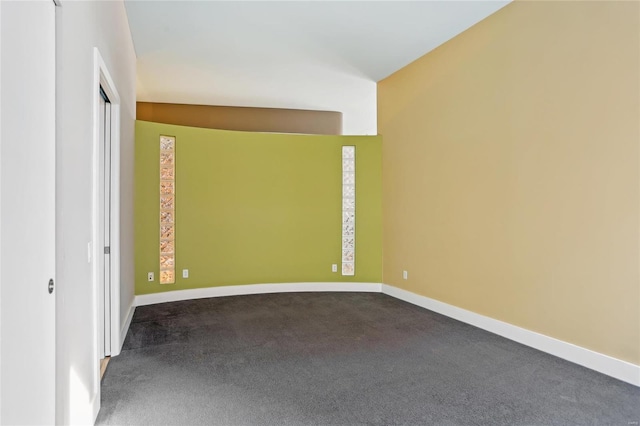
(334, 267)
(150, 276)
(185, 273)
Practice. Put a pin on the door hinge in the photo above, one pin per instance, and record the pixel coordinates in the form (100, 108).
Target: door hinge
(107, 250)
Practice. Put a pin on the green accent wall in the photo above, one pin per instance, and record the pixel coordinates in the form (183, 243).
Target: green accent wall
(256, 208)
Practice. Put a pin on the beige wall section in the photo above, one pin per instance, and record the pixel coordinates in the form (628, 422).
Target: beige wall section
(248, 119)
(510, 172)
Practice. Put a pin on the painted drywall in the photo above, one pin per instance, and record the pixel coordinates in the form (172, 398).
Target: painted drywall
(511, 180)
(1, 281)
(81, 26)
(324, 55)
(28, 220)
(256, 207)
(248, 119)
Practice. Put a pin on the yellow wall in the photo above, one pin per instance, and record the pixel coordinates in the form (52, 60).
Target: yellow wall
(510, 172)
(254, 208)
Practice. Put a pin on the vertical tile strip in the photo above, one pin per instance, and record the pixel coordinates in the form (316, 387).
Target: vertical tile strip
(348, 210)
(167, 209)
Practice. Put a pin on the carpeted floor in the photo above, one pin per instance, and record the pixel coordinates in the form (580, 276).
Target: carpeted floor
(342, 359)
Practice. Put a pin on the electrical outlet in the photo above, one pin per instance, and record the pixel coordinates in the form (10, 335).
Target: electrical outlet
(185, 273)
(150, 277)
(334, 267)
(405, 275)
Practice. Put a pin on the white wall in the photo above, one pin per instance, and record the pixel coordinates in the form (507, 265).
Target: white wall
(162, 78)
(315, 55)
(0, 210)
(81, 26)
(28, 204)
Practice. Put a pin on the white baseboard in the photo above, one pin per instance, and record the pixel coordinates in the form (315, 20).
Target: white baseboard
(237, 290)
(621, 370)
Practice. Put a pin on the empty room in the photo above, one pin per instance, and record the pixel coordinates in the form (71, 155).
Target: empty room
(320, 212)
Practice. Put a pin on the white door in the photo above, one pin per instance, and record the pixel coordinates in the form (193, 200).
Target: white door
(104, 305)
(27, 212)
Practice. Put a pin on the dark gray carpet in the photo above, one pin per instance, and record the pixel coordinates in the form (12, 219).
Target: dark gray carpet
(342, 358)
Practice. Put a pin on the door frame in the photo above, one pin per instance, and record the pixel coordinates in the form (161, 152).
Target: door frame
(102, 77)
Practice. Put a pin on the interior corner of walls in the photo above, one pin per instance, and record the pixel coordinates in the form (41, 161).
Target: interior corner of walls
(125, 327)
(95, 408)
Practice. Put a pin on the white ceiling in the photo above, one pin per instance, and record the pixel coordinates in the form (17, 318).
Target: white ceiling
(324, 55)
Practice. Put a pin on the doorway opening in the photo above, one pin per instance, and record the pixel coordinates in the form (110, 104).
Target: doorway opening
(104, 289)
(104, 249)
